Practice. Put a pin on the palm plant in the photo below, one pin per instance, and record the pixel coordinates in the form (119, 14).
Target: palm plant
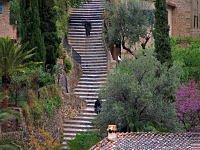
(13, 58)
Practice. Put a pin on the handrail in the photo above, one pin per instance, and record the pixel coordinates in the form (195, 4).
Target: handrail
(76, 56)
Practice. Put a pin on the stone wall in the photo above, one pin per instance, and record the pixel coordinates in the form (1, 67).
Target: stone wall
(73, 76)
(7, 30)
(183, 18)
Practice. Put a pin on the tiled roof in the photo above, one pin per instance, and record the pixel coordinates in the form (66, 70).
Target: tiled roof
(150, 141)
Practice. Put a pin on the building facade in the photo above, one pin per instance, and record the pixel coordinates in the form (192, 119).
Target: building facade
(6, 29)
(184, 18)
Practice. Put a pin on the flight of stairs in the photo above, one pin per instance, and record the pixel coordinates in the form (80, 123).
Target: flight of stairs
(93, 63)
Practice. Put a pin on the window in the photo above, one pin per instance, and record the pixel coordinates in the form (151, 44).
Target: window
(196, 22)
(1, 6)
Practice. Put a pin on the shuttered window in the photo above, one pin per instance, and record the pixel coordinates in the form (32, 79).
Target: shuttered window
(1, 6)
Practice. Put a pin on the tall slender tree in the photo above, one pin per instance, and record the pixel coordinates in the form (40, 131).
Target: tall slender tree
(48, 18)
(161, 33)
(30, 31)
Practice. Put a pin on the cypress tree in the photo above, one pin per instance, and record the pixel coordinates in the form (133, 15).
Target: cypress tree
(161, 33)
(30, 28)
(48, 18)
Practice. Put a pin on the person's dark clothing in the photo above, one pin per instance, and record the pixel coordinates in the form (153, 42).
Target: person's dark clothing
(97, 106)
(88, 27)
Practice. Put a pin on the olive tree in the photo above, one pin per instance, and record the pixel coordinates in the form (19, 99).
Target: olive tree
(140, 96)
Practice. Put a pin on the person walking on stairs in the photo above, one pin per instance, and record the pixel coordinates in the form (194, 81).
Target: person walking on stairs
(88, 27)
(97, 106)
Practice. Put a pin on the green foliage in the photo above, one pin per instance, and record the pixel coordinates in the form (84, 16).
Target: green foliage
(13, 58)
(51, 104)
(161, 33)
(75, 3)
(124, 22)
(141, 93)
(68, 65)
(30, 31)
(61, 9)
(37, 111)
(9, 144)
(6, 114)
(45, 78)
(48, 19)
(14, 11)
(84, 141)
(188, 57)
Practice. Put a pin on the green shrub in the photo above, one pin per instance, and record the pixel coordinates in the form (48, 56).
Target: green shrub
(188, 57)
(68, 65)
(8, 144)
(141, 93)
(45, 78)
(84, 141)
(37, 111)
(50, 105)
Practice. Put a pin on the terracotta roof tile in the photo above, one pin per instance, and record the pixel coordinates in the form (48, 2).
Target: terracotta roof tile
(150, 141)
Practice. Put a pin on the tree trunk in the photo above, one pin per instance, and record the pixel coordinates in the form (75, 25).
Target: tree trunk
(5, 86)
(5, 83)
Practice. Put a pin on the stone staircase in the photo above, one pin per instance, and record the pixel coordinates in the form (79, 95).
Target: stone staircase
(93, 62)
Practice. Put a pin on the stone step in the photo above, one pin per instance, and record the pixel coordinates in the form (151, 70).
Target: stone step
(92, 79)
(93, 61)
(82, 122)
(88, 87)
(94, 67)
(82, 38)
(94, 75)
(86, 93)
(95, 71)
(66, 138)
(88, 97)
(71, 134)
(77, 126)
(83, 32)
(74, 130)
(86, 42)
(87, 11)
(86, 90)
(88, 49)
(85, 17)
(81, 24)
(78, 30)
(85, 118)
(90, 101)
(81, 27)
(90, 105)
(76, 36)
(88, 114)
(87, 56)
(86, 83)
(100, 53)
(93, 64)
(89, 110)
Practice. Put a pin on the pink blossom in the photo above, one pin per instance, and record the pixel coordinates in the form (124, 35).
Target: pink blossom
(188, 103)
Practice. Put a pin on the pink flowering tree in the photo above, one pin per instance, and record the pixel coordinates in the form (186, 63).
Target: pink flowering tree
(188, 105)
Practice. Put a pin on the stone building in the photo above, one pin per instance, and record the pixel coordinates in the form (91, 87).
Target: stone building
(6, 29)
(184, 18)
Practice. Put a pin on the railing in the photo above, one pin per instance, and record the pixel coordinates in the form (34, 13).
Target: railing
(76, 56)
